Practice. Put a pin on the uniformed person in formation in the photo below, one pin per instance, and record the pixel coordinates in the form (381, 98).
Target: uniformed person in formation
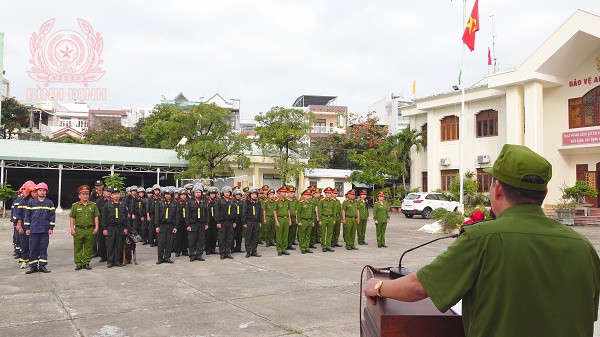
(29, 193)
(523, 274)
(269, 218)
(293, 231)
(212, 231)
(337, 224)
(262, 195)
(381, 216)
(226, 216)
(39, 225)
(181, 239)
(305, 220)
(114, 227)
(238, 231)
(197, 223)
(327, 214)
(315, 232)
(252, 220)
(100, 237)
(138, 209)
(166, 226)
(151, 209)
(350, 216)
(144, 233)
(84, 225)
(282, 221)
(363, 207)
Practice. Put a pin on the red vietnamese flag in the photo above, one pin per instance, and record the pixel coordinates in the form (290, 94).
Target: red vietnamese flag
(489, 57)
(472, 27)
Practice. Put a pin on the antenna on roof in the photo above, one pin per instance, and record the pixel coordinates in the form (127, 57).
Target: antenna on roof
(495, 60)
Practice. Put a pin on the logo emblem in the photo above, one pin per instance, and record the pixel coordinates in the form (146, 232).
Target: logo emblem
(66, 56)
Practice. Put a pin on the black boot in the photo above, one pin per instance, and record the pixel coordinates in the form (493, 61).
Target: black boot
(43, 269)
(32, 270)
(248, 254)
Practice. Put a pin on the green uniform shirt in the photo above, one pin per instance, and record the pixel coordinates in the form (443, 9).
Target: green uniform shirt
(363, 208)
(338, 209)
(282, 206)
(523, 274)
(270, 207)
(327, 207)
(306, 210)
(84, 214)
(293, 204)
(380, 212)
(351, 208)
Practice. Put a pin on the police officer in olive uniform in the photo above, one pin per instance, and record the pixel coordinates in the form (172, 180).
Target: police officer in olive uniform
(166, 225)
(114, 226)
(238, 231)
(84, 225)
(212, 231)
(337, 224)
(269, 218)
(197, 223)
(350, 216)
(293, 231)
(363, 207)
(252, 221)
(327, 209)
(282, 221)
(381, 216)
(306, 213)
(314, 235)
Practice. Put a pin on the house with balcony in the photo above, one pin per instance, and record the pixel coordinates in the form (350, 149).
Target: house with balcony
(232, 105)
(329, 117)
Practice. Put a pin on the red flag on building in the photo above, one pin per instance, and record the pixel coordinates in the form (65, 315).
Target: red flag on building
(472, 27)
(489, 57)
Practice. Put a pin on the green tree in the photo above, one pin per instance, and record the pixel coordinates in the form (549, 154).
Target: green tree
(375, 165)
(402, 144)
(107, 132)
(284, 135)
(65, 139)
(167, 124)
(470, 187)
(15, 117)
(212, 147)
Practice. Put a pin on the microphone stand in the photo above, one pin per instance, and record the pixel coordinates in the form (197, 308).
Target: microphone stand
(400, 272)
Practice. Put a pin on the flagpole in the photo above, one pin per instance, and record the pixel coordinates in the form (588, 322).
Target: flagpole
(462, 120)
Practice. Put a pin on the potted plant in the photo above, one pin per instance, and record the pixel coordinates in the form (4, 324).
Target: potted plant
(580, 191)
(565, 208)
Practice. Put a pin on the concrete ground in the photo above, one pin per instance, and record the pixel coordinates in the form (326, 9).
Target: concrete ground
(308, 295)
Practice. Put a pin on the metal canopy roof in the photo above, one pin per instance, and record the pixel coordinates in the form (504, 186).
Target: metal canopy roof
(68, 153)
(306, 100)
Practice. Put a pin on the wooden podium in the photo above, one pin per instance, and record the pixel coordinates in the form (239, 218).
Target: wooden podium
(389, 318)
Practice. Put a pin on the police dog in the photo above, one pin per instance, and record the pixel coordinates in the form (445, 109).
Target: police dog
(129, 247)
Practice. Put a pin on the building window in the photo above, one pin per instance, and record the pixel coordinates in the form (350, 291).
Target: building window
(450, 129)
(447, 177)
(320, 126)
(487, 123)
(424, 185)
(82, 123)
(312, 183)
(484, 180)
(339, 185)
(583, 111)
(64, 122)
(424, 132)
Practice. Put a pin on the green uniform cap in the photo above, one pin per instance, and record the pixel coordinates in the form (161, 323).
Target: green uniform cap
(516, 161)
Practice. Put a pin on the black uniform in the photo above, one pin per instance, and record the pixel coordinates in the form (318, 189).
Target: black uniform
(252, 219)
(238, 231)
(166, 218)
(114, 221)
(138, 211)
(211, 232)
(151, 204)
(100, 237)
(197, 221)
(226, 216)
(181, 241)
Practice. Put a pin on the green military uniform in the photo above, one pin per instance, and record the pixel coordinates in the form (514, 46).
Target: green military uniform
(523, 274)
(314, 235)
(381, 217)
(327, 208)
(351, 209)
(269, 208)
(282, 206)
(337, 224)
(293, 231)
(306, 217)
(361, 228)
(261, 230)
(84, 215)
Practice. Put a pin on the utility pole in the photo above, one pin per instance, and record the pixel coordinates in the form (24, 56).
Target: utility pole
(1, 74)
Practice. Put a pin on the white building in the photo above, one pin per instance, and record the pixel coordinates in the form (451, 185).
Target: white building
(388, 112)
(232, 105)
(329, 117)
(550, 103)
(5, 88)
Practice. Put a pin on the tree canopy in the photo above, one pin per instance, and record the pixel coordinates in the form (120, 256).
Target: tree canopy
(15, 117)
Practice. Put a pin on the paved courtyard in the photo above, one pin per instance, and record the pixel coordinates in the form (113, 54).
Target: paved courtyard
(308, 295)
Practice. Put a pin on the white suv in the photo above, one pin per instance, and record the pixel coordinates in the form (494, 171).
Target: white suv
(423, 203)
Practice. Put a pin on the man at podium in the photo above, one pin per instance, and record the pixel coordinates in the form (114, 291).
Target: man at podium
(522, 274)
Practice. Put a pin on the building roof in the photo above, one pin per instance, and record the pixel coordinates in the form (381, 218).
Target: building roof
(306, 100)
(49, 152)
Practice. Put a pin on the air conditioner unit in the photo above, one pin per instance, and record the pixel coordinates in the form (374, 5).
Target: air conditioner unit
(483, 159)
(445, 162)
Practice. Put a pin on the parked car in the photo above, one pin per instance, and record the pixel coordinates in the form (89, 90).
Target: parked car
(422, 203)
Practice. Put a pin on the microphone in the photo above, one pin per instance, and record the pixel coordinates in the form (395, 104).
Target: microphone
(400, 272)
